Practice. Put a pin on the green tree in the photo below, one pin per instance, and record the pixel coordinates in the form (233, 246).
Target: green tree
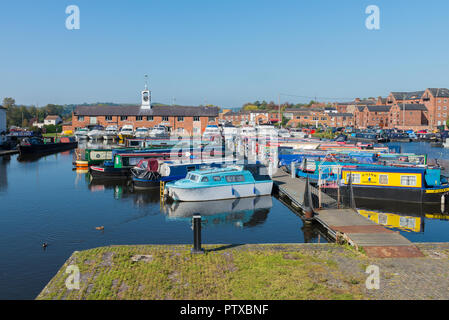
(8, 102)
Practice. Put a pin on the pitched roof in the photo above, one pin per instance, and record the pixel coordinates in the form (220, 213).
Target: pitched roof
(356, 103)
(379, 108)
(439, 92)
(52, 117)
(134, 110)
(412, 106)
(341, 115)
(407, 95)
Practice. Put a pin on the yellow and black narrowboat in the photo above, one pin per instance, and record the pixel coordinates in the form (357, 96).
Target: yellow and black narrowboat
(408, 184)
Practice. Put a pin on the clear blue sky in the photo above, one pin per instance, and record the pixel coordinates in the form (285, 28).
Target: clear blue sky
(223, 52)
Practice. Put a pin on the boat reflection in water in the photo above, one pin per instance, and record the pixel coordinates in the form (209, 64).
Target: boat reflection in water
(409, 217)
(123, 191)
(242, 213)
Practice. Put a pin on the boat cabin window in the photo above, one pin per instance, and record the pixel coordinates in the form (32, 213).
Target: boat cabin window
(383, 179)
(236, 178)
(205, 179)
(217, 178)
(355, 178)
(408, 180)
(192, 177)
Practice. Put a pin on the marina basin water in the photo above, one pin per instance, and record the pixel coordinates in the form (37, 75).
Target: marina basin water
(43, 200)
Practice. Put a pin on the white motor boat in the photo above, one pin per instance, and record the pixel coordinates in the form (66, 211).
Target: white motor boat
(142, 132)
(219, 184)
(266, 131)
(284, 133)
(160, 132)
(298, 133)
(127, 131)
(110, 133)
(248, 132)
(81, 133)
(96, 133)
(211, 132)
(230, 131)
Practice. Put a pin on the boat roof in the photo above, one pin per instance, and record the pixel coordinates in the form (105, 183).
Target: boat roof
(385, 169)
(206, 171)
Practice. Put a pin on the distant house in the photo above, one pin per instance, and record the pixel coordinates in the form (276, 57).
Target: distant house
(2, 125)
(52, 120)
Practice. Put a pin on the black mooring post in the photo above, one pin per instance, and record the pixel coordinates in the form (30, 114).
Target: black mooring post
(196, 222)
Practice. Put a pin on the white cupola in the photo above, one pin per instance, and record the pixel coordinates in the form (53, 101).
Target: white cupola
(146, 96)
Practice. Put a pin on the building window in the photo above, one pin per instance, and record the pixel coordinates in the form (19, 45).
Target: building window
(444, 108)
(123, 118)
(150, 118)
(139, 118)
(408, 181)
(165, 118)
(439, 108)
(108, 118)
(80, 118)
(180, 119)
(439, 115)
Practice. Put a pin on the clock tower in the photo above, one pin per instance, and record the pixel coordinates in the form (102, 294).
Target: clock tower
(146, 96)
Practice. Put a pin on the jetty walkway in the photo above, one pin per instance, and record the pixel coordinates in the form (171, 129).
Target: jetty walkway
(344, 224)
(8, 152)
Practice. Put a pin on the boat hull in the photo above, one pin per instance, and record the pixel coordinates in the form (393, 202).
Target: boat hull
(221, 192)
(109, 173)
(46, 148)
(145, 183)
(409, 195)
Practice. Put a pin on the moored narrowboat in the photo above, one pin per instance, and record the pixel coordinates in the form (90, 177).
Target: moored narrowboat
(409, 184)
(33, 146)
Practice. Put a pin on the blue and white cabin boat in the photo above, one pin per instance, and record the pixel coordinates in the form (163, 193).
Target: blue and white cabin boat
(220, 183)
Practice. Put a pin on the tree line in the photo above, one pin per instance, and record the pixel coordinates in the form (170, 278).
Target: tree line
(23, 116)
(271, 106)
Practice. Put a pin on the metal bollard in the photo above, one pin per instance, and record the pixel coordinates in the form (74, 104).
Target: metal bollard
(196, 223)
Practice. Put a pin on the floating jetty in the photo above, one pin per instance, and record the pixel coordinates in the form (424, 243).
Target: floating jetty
(8, 152)
(344, 224)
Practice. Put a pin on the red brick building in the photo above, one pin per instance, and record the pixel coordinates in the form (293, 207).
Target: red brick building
(408, 115)
(180, 119)
(404, 97)
(436, 101)
(373, 115)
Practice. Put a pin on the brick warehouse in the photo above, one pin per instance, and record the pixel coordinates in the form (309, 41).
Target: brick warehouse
(182, 120)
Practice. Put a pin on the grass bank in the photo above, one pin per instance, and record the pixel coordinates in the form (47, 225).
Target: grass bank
(223, 272)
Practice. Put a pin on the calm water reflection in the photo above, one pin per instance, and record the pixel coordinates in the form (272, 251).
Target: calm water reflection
(43, 200)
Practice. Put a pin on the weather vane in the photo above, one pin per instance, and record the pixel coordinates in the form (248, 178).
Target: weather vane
(146, 82)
